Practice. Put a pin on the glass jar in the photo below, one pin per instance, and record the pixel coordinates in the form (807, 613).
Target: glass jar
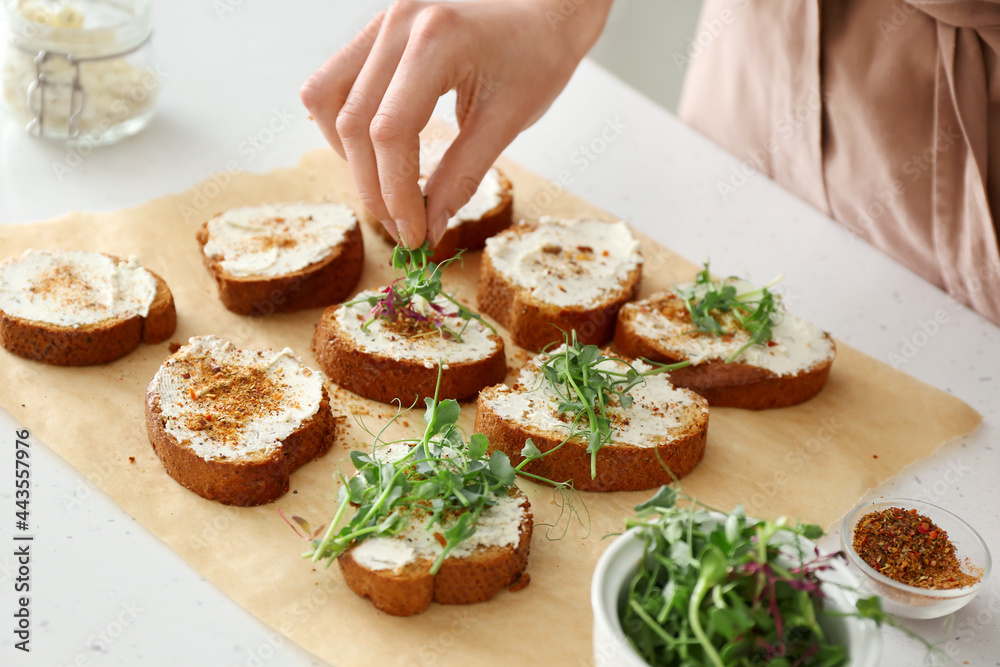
(80, 70)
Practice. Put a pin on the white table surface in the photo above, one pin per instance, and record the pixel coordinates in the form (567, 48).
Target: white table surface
(106, 592)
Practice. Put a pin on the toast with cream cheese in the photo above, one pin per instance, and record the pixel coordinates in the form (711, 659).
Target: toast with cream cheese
(232, 424)
(397, 359)
(660, 436)
(543, 280)
(790, 368)
(280, 258)
(75, 308)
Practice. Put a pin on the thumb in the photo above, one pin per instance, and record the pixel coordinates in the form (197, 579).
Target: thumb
(459, 173)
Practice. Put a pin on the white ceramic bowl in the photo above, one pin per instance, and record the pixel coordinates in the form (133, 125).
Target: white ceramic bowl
(620, 561)
(909, 601)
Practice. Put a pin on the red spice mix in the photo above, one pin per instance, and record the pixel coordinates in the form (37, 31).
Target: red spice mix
(910, 548)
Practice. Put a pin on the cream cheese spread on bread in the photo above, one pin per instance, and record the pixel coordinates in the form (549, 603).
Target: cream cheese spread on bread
(276, 239)
(659, 411)
(796, 345)
(72, 288)
(229, 402)
(578, 262)
(498, 526)
(487, 196)
(429, 347)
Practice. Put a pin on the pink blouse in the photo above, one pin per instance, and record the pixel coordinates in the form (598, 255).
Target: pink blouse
(876, 112)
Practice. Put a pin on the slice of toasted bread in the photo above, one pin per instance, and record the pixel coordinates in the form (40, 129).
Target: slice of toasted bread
(789, 370)
(395, 572)
(541, 280)
(488, 212)
(232, 425)
(661, 436)
(280, 258)
(73, 308)
(399, 361)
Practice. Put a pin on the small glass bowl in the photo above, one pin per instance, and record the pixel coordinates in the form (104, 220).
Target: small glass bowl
(908, 601)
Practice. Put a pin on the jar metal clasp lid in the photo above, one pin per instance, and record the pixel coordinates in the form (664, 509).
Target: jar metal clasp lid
(36, 95)
(78, 96)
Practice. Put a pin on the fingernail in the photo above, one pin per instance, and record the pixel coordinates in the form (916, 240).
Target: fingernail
(439, 227)
(390, 226)
(404, 233)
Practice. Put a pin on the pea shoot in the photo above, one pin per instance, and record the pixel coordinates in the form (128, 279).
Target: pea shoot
(716, 307)
(720, 589)
(443, 480)
(415, 294)
(587, 386)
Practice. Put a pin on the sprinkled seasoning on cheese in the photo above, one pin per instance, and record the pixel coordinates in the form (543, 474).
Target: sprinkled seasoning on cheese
(499, 525)
(487, 196)
(659, 412)
(229, 403)
(795, 346)
(72, 288)
(576, 262)
(276, 239)
(408, 340)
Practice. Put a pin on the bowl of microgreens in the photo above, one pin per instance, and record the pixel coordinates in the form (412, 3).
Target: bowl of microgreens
(923, 560)
(686, 585)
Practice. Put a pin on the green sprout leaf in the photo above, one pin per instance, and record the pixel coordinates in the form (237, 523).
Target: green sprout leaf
(501, 468)
(478, 445)
(440, 415)
(415, 294)
(811, 531)
(716, 307)
(530, 450)
(664, 498)
(587, 386)
(871, 608)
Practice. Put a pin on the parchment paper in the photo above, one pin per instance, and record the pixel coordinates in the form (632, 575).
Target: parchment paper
(810, 462)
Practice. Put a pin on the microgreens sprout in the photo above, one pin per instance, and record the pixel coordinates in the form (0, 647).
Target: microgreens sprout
(442, 480)
(413, 295)
(586, 387)
(720, 589)
(716, 306)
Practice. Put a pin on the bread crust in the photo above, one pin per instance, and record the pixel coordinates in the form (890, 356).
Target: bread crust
(732, 385)
(330, 280)
(471, 234)
(533, 324)
(256, 479)
(475, 578)
(91, 344)
(384, 378)
(620, 467)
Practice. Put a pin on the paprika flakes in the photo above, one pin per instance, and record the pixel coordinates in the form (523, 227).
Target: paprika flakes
(909, 548)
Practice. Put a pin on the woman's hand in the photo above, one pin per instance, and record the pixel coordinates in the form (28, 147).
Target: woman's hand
(507, 60)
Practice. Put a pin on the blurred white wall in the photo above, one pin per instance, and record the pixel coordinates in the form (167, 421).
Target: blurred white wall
(645, 43)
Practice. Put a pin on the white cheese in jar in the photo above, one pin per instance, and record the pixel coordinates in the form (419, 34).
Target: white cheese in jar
(105, 93)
